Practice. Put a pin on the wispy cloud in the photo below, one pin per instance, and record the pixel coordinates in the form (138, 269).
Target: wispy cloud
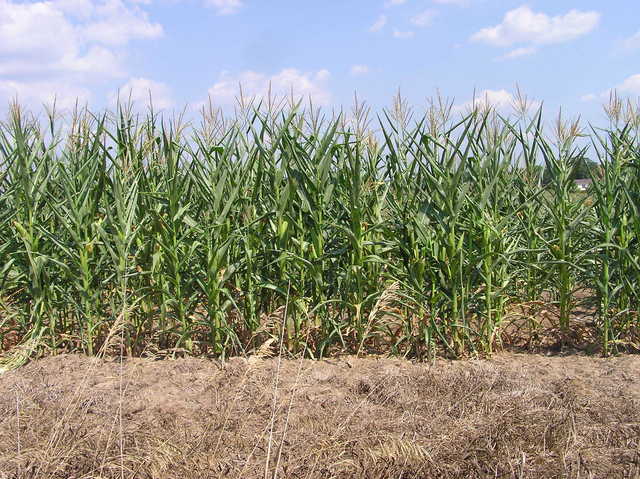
(403, 34)
(378, 24)
(357, 70)
(633, 41)
(424, 18)
(518, 52)
(225, 7)
(394, 3)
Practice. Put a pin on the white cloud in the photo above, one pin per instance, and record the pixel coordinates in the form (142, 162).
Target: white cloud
(38, 93)
(630, 86)
(48, 28)
(28, 30)
(403, 34)
(117, 24)
(393, 3)
(225, 7)
(96, 62)
(139, 90)
(257, 85)
(523, 25)
(357, 70)
(518, 52)
(424, 19)
(501, 100)
(378, 24)
(497, 98)
(80, 9)
(60, 47)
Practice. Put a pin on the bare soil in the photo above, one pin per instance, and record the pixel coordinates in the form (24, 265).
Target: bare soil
(517, 415)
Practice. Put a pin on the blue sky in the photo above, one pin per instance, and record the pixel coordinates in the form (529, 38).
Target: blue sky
(565, 53)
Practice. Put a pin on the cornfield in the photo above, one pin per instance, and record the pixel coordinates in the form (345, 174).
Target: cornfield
(283, 226)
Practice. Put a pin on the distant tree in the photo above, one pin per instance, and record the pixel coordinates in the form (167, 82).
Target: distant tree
(584, 169)
(581, 171)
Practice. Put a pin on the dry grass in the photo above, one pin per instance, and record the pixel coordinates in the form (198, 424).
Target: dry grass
(515, 416)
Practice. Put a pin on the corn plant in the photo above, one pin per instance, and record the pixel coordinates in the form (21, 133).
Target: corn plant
(413, 234)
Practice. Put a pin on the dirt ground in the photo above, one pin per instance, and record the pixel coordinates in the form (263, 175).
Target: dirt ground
(521, 416)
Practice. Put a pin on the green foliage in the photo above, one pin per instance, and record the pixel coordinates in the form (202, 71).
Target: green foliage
(417, 239)
(583, 169)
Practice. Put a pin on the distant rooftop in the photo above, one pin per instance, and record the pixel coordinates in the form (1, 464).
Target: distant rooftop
(583, 182)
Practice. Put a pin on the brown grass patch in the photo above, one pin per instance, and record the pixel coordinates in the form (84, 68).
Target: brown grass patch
(514, 416)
